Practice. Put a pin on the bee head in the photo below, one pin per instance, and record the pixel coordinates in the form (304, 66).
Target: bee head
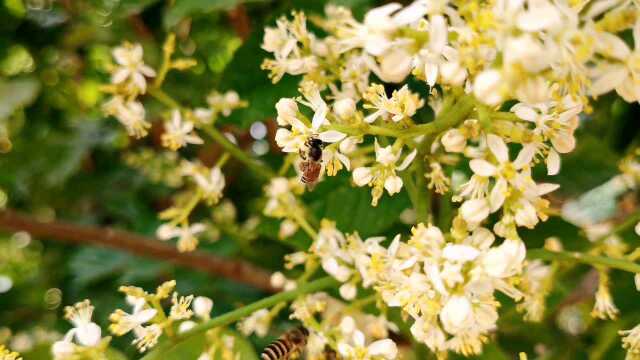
(315, 142)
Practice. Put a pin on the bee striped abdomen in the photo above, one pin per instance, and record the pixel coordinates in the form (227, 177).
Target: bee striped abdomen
(288, 344)
(277, 350)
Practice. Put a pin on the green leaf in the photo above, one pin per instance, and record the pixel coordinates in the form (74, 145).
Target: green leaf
(113, 354)
(131, 7)
(243, 74)
(90, 265)
(589, 165)
(16, 94)
(15, 7)
(184, 8)
(191, 348)
(351, 209)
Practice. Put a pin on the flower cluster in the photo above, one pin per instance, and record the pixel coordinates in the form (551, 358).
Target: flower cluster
(480, 55)
(346, 330)
(204, 184)
(6, 354)
(87, 335)
(147, 321)
(129, 80)
(446, 286)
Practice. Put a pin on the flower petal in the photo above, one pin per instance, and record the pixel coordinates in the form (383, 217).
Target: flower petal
(482, 167)
(498, 148)
(525, 156)
(331, 136)
(407, 160)
(553, 163)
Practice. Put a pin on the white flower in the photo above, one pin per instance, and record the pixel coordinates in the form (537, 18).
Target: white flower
(505, 260)
(456, 314)
(525, 51)
(631, 342)
(383, 174)
(374, 36)
(540, 15)
(430, 335)
(505, 171)
(225, 103)
(348, 291)
(488, 87)
(454, 141)
(147, 336)
(122, 322)
(187, 240)
(179, 133)
(202, 306)
(86, 332)
(474, 211)
(130, 114)
(131, 67)
(180, 307)
(257, 323)
(557, 126)
(438, 60)
(344, 108)
(212, 185)
(293, 139)
(395, 65)
(604, 307)
(357, 350)
(402, 105)
(623, 72)
(186, 326)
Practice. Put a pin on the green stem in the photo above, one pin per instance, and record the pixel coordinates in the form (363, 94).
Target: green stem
(304, 224)
(407, 180)
(321, 284)
(167, 51)
(366, 129)
(628, 223)
(449, 117)
(503, 115)
(446, 120)
(164, 98)
(423, 195)
(262, 170)
(594, 260)
(222, 160)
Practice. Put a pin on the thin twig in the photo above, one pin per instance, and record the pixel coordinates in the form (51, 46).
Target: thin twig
(235, 270)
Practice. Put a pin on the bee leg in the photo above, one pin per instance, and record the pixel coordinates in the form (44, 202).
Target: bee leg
(302, 154)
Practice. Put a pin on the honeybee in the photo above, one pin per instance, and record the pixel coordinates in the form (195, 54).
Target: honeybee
(312, 161)
(289, 346)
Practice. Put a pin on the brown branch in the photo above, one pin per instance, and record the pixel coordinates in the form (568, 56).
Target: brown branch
(236, 270)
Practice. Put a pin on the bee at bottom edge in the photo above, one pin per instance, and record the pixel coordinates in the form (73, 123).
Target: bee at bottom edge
(290, 345)
(312, 162)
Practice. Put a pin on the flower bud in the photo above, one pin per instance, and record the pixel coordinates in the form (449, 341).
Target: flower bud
(344, 108)
(395, 65)
(487, 87)
(286, 108)
(202, 306)
(454, 141)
